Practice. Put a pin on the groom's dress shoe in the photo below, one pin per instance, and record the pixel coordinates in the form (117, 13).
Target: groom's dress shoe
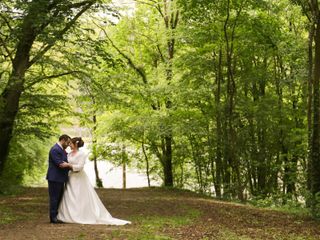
(56, 221)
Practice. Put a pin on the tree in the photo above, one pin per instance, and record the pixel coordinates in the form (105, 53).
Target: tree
(315, 149)
(38, 26)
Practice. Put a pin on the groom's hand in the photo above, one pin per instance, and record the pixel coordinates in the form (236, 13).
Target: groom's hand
(64, 165)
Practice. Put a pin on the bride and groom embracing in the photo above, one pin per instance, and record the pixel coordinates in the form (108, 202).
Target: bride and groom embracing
(72, 197)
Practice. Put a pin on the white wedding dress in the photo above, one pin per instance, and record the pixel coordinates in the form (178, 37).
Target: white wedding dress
(80, 202)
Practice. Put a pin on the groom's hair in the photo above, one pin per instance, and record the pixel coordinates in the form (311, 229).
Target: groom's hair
(64, 137)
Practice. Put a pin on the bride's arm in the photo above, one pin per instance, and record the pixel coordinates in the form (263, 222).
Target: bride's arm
(80, 164)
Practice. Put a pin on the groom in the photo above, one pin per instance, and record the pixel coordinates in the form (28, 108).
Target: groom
(57, 175)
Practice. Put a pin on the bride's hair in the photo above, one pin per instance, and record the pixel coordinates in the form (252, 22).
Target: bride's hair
(77, 141)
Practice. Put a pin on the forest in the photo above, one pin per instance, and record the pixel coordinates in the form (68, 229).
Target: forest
(218, 97)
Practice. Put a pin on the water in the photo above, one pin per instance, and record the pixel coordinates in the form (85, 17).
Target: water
(112, 176)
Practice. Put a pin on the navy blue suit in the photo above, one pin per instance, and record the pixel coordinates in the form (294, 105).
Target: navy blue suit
(56, 177)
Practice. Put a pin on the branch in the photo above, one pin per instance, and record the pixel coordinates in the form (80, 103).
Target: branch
(7, 50)
(139, 70)
(49, 77)
(159, 10)
(6, 21)
(146, 3)
(62, 32)
(26, 105)
(176, 19)
(156, 5)
(315, 8)
(165, 16)
(160, 52)
(156, 151)
(305, 10)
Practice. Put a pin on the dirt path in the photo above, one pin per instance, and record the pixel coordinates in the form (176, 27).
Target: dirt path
(156, 214)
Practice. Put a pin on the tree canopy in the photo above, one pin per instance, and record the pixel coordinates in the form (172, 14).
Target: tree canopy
(221, 97)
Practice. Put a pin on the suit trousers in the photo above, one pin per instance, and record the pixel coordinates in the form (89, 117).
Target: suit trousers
(55, 195)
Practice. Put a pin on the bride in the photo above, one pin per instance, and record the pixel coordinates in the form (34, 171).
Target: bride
(80, 202)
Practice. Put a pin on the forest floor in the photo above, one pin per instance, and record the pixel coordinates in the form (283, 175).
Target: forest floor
(155, 214)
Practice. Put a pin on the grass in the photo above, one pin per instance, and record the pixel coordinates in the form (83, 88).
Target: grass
(294, 210)
(10, 190)
(226, 234)
(156, 214)
(7, 216)
(151, 227)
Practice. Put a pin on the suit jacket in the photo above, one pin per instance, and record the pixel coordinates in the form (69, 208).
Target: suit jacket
(56, 156)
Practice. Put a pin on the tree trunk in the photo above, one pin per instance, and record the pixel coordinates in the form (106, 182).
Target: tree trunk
(170, 18)
(197, 161)
(167, 161)
(292, 167)
(263, 166)
(315, 163)
(309, 104)
(124, 168)
(9, 99)
(124, 176)
(99, 183)
(8, 110)
(218, 160)
(232, 158)
(147, 164)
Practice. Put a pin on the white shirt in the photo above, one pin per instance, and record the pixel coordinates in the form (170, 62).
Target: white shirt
(60, 145)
